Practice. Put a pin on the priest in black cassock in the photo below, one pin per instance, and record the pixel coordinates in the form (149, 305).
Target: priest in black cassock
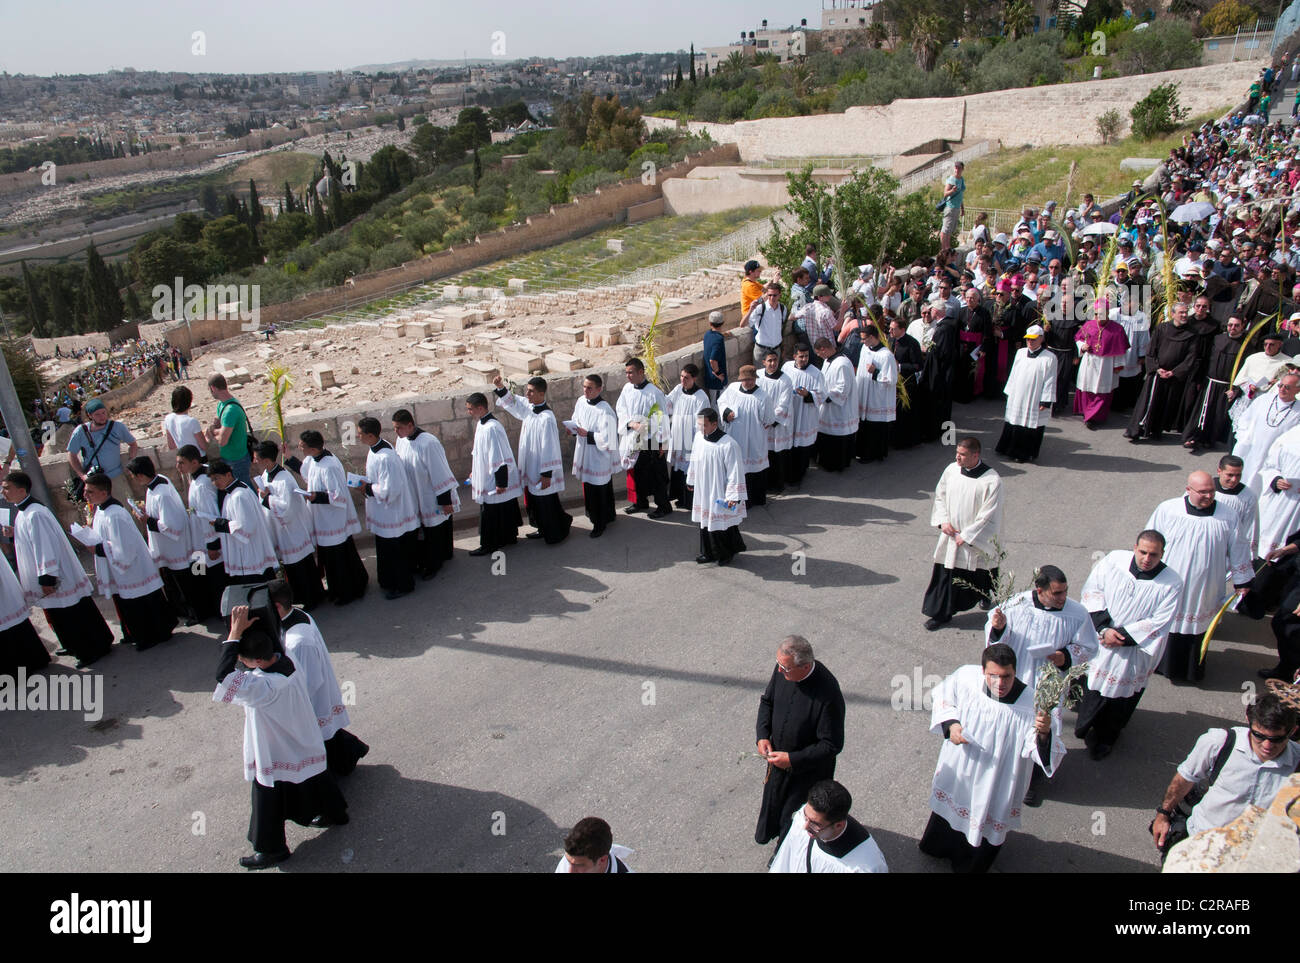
(1207, 423)
(1171, 359)
(908, 418)
(800, 731)
(942, 365)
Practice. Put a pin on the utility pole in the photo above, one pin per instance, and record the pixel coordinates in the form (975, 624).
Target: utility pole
(16, 421)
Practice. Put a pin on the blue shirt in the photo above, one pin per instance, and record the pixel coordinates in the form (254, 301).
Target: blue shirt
(715, 349)
(109, 460)
(955, 199)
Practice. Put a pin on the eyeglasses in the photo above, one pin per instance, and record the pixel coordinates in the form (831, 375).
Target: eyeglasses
(1271, 740)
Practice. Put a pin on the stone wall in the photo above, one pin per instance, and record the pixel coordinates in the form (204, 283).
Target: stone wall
(443, 414)
(708, 190)
(100, 340)
(1039, 116)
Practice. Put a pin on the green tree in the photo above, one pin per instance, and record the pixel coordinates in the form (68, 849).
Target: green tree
(1158, 112)
(286, 232)
(160, 258)
(1226, 16)
(677, 81)
(254, 205)
(103, 302)
(401, 124)
(228, 245)
(1018, 18)
(209, 200)
(478, 119)
(874, 221)
(1165, 45)
(615, 127)
(37, 309)
(477, 172)
(188, 227)
(133, 310)
(926, 36)
(26, 376)
(692, 65)
(61, 322)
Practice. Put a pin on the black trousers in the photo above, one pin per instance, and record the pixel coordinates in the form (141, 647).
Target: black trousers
(796, 463)
(1104, 716)
(304, 578)
(300, 801)
(650, 474)
(343, 751)
(393, 563)
(678, 491)
(20, 646)
(1017, 441)
(146, 620)
(1182, 657)
(434, 547)
(944, 597)
(81, 630)
(346, 577)
(756, 487)
(498, 524)
(186, 593)
(940, 839)
(723, 545)
(775, 475)
(598, 500)
(547, 515)
(873, 440)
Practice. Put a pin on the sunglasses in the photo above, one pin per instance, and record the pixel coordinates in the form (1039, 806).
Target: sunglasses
(1271, 740)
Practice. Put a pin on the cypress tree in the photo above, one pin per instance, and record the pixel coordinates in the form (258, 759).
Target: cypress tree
(37, 310)
(134, 311)
(288, 198)
(254, 205)
(103, 304)
(60, 314)
(692, 65)
(678, 81)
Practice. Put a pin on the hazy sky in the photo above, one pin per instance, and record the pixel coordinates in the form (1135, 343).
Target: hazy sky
(259, 36)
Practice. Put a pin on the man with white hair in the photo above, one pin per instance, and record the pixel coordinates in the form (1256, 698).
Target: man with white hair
(1266, 419)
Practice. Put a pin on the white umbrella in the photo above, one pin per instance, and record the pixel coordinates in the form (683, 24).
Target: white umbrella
(1254, 120)
(1100, 227)
(1190, 213)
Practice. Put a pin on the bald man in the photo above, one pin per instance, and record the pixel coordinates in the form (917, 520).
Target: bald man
(1202, 547)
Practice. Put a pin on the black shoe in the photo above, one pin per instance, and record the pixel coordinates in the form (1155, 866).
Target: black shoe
(596, 532)
(425, 576)
(479, 552)
(1089, 425)
(726, 560)
(1100, 751)
(661, 513)
(394, 594)
(633, 509)
(1033, 798)
(932, 625)
(985, 605)
(704, 559)
(533, 535)
(263, 860)
(324, 822)
(1273, 673)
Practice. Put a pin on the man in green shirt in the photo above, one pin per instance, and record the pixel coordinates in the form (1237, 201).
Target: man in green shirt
(230, 429)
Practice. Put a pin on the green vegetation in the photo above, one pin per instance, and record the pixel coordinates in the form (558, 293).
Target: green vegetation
(1157, 113)
(1009, 179)
(944, 48)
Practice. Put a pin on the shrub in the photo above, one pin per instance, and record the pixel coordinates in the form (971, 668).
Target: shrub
(333, 269)
(1165, 45)
(1109, 124)
(1226, 16)
(391, 255)
(1157, 113)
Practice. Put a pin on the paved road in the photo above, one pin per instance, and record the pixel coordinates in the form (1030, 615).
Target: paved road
(502, 708)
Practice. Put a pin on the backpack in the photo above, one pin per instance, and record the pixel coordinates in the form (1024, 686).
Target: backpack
(249, 439)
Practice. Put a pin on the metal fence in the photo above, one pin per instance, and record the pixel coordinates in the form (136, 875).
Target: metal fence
(932, 172)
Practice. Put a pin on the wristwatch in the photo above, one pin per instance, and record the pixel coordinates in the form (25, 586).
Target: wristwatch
(1165, 812)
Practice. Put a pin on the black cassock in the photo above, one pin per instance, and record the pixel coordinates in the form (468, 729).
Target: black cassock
(805, 719)
(941, 367)
(1162, 406)
(906, 429)
(1207, 422)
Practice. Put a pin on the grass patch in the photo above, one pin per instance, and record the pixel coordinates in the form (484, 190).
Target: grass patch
(1011, 178)
(270, 171)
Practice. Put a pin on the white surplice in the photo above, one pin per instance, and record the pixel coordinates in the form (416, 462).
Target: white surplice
(331, 522)
(634, 405)
(1279, 510)
(1259, 369)
(1204, 550)
(1245, 502)
(1035, 632)
(1032, 383)
(14, 607)
(1097, 374)
(805, 414)
(748, 429)
(683, 408)
(246, 549)
(390, 506)
(282, 740)
(539, 444)
(127, 568)
(1138, 328)
(717, 474)
(306, 648)
(41, 548)
(202, 497)
(973, 506)
(1265, 420)
(430, 476)
(781, 395)
(492, 451)
(287, 514)
(1143, 608)
(978, 788)
(792, 855)
(595, 457)
(878, 391)
(839, 412)
(171, 545)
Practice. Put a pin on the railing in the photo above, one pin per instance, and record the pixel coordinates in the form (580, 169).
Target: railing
(931, 172)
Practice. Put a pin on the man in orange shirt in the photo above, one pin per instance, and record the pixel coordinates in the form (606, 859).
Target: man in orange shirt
(751, 289)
